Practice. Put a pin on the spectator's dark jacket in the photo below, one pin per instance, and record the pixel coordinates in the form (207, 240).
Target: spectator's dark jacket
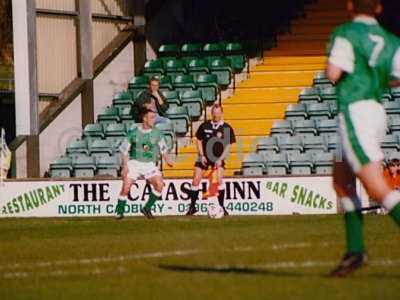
(146, 97)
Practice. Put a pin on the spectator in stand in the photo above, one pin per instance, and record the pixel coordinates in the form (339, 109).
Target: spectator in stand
(392, 173)
(153, 99)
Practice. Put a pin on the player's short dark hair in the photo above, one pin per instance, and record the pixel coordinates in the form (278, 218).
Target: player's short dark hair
(217, 106)
(144, 111)
(365, 6)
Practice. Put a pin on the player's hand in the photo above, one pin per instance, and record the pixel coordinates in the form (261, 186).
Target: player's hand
(218, 164)
(204, 160)
(169, 162)
(124, 171)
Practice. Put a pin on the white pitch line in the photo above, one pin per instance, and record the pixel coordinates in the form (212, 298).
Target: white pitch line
(385, 262)
(62, 273)
(105, 259)
(121, 258)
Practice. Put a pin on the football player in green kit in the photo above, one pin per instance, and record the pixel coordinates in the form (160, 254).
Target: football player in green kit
(140, 152)
(364, 60)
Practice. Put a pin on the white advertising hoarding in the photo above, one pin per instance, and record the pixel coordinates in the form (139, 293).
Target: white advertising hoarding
(244, 196)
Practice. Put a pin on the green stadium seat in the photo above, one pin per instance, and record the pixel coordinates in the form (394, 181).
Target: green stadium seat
(393, 155)
(389, 144)
(180, 119)
(77, 148)
(165, 83)
(333, 107)
(137, 84)
(154, 68)
(296, 112)
(386, 97)
(174, 68)
(392, 108)
(191, 51)
(319, 111)
(323, 163)
(314, 144)
(235, 54)
(395, 92)
(253, 165)
(220, 67)
(213, 50)
(309, 95)
(394, 124)
(327, 127)
(277, 164)
(93, 131)
(304, 128)
(168, 51)
(320, 80)
(333, 143)
(169, 133)
(208, 85)
(281, 128)
(184, 83)
(84, 166)
(193, 101)
(100, 148)
(127, 115)
(328, 93)
(266, 146)
(196, 67)
(109, 115)
(108, 165)
(301, 163)
(61, 167)
(122, 100)
(115, 132)
(172, 98)
(290, 144)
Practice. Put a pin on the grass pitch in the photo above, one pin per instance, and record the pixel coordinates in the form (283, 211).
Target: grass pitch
(271, 257)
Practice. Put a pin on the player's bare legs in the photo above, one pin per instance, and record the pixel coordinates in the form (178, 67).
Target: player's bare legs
(157, 184)
(221, 188)
(194, 190)
(344, 183)
(123, 195)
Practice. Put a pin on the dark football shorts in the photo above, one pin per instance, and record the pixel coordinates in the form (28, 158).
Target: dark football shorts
(209, 164)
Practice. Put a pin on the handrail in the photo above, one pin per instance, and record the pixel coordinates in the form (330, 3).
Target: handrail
(76, 86)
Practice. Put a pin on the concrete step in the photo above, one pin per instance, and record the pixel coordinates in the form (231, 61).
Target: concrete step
(294, 67)
(264, 95)
(294, 52)
(279, 79)
(293, 59)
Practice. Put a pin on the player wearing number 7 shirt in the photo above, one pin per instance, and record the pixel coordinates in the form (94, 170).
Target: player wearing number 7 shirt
(364, 60)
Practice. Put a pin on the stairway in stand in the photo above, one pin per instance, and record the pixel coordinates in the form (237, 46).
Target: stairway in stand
(273, 84)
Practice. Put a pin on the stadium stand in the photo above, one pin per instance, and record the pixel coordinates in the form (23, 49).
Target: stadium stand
(284, 113)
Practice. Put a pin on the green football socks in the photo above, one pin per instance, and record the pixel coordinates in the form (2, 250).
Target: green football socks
(353, 225)
(154, 196)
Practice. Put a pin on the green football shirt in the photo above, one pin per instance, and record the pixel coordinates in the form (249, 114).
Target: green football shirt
(370, 57)
(144, 145)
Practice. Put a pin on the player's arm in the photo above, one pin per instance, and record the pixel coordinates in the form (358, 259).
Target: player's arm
(341, 59)
(396, 70)
(394, 83)
(224, 154)
(200, 151)
(124, 150)
(333, 73)
(162, 144)
(232, 140)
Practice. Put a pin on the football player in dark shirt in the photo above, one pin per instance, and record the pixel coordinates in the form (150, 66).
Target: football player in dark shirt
(214, 138)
